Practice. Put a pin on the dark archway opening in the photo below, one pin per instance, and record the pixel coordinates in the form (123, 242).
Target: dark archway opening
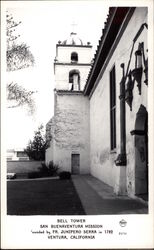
(74, 57)
(74, 79)
(141, 153)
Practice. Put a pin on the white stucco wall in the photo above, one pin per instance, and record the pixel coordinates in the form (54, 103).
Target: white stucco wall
(71, 134)
(102, 160)
(64, 53)
(139, 17)
(62, 75)
(64, 58)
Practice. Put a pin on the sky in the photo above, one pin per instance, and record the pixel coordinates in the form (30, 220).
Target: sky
(44, 23)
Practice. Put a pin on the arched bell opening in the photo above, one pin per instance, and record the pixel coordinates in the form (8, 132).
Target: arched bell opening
(74, 80)
(74, 57)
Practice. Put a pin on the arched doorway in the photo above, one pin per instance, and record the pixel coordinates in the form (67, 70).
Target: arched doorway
(141, 153)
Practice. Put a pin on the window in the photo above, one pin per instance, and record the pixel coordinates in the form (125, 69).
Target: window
(74, 79)
(74, 57)
(112, 109)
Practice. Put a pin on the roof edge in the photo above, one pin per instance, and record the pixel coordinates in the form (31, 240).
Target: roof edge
(74, 45)
(110, 32)
(68, 92)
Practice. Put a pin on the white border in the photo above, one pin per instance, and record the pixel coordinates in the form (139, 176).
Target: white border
(16, 230)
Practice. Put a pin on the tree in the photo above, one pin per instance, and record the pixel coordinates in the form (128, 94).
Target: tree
(18, 56)
(36, 147)
(19, 96)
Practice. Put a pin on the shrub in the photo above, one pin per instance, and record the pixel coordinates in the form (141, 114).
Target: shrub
(53, 168)
(45, 170)
(50, 169)
(64, 175)
(33, 175)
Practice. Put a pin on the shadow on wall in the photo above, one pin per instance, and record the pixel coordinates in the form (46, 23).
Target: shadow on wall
(104, 156)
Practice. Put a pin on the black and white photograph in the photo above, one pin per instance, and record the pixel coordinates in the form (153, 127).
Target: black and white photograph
(77, 109)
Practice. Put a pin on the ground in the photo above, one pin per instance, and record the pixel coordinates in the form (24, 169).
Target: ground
(83, 195)
(43, 197)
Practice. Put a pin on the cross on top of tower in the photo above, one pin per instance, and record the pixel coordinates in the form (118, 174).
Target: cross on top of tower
(73, 27)
(73, 39)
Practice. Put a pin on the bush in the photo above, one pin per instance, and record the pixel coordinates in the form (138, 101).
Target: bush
(50, 169)
(45, 171)
(33, 175)
(53, 168)
(64, 175)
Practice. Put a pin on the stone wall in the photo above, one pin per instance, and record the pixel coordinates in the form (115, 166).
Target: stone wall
(71, 131)
(49, 141)
(20, 167)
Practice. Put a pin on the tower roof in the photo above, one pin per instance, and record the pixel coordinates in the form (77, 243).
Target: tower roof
(73, 39)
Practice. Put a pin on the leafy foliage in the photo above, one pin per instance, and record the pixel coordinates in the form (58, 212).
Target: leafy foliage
(51, 168)
(10, 29)
(19, 96)
(45, 171)
(36, 147)
(18, 56)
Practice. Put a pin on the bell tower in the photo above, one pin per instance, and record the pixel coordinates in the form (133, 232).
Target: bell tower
(72, 63)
